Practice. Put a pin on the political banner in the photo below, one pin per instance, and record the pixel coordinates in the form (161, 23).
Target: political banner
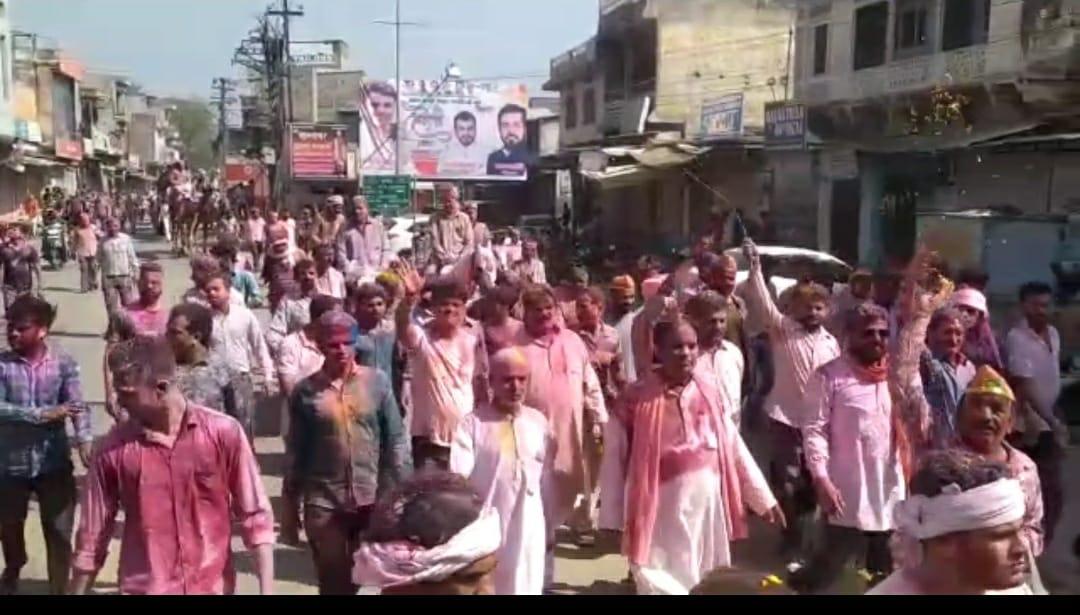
(318, 152)
(450, 130)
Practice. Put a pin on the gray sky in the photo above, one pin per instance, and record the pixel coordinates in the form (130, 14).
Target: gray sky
(177, 47)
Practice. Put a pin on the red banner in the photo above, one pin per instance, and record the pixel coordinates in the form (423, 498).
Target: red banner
(319, 152)
(69, 149)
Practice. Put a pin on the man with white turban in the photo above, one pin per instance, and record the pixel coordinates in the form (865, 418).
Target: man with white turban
(961, 530)
(431, 535)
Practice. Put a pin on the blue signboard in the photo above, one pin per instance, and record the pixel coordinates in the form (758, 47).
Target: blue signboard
(723, 117)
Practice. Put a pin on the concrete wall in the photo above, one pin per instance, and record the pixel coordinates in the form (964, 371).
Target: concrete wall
(1034, 182)
(710, 49)
(581, 132)
(793, 200)
(1000, 57)
(6, 61)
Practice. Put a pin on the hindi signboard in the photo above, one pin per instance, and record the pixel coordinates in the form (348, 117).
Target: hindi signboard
(450, 130)
(785, 125)
(388, 195)
(318, 151)
(723, 117)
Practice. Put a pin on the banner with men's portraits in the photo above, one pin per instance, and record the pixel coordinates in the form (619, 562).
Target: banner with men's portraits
(450, 130)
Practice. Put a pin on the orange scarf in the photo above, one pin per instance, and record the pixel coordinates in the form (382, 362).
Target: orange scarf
(901, 439)
(642, 411)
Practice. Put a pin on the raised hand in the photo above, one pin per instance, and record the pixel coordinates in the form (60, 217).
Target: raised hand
(750, 251)
(411, 280)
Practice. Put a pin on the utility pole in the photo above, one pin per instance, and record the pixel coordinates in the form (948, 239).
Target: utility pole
(286, 14)
(224, 88)
(397, 23)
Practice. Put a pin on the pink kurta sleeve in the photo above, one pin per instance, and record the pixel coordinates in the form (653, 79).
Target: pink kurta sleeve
(250, 506)
(755, 489)
(613, 474)
(97, 515)
(594, 394)
(760, 301)
(816, 429)
(905, 381)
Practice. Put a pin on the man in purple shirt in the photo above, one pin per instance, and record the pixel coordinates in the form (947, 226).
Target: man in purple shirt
(39, 391)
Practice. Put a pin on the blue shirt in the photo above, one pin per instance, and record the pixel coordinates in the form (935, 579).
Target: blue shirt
(245, 282)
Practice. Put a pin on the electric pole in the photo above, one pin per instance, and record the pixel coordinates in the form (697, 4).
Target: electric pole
(286, 13)
(397, 23)
(224, 89)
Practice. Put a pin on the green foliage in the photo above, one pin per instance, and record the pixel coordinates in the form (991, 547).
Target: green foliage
(197, 127)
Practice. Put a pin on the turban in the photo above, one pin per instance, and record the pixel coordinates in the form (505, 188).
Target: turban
(394, 564)
(953, 511)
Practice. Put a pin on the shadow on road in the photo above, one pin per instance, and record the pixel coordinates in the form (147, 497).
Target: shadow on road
(599, 588)
(36, 587)
(272, 464)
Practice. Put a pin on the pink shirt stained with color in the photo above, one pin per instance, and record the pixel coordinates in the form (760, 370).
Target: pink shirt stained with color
(86, 241)
(797, 353)
(849, 439)
(564, 386)
(180, 499)
(442, 380)
(151, 321)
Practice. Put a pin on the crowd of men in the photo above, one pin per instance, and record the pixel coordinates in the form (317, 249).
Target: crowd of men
(446, 414)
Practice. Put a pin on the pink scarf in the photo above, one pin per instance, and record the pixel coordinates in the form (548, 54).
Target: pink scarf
(643, 413)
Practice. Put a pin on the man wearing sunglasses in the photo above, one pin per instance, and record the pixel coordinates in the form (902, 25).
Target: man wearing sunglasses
(855, 453)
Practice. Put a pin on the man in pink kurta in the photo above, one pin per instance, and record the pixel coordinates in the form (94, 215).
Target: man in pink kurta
(564, 386)
(676, 476)
(800, 344)
(448, 362)
(182, 475)
(854, 453)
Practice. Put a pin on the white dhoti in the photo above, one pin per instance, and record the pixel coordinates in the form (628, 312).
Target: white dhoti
(690, 538)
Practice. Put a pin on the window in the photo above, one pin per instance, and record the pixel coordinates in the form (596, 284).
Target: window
(570, 109)
(967, 23)
(588, 107)
(821, 49)
(911, 26)
(871, 30)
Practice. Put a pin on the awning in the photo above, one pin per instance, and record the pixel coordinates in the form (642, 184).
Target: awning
(624, 176)
(37, 161)
(649, 162)
(937, 143)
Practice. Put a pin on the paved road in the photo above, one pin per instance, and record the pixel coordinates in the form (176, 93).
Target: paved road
(79, 328)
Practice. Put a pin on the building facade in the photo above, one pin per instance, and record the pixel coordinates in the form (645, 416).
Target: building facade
(663, 115)
(937, 106)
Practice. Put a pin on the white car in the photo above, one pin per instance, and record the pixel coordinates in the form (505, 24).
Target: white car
(403, 229)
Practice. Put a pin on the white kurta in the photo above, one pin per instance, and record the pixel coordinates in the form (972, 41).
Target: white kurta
(503, 458)
(690, 537)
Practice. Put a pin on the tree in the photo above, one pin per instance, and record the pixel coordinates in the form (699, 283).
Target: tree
(197, 127)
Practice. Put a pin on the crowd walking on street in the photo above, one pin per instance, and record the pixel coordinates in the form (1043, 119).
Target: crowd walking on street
(451, 422)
